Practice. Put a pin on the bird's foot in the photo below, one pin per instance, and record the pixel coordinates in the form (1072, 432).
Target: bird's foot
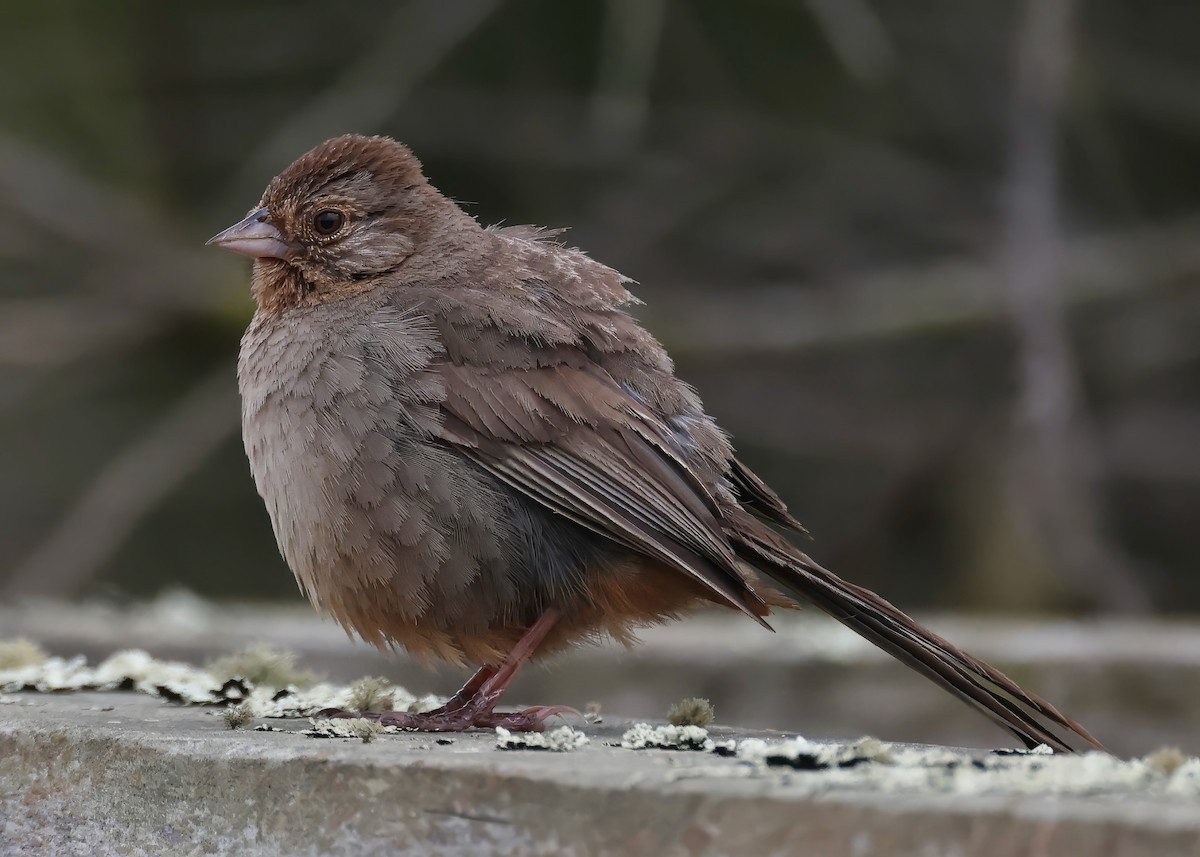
(457, 720)
(474, 704)
(530, 720)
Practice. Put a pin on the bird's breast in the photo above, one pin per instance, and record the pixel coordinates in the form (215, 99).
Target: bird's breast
(380, 524)
(302, 424)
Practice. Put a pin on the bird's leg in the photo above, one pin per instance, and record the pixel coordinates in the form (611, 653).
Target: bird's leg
(475, 702)
(480, 704)
(467, 692)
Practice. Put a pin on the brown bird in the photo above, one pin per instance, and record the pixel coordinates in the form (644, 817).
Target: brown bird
(469, 449)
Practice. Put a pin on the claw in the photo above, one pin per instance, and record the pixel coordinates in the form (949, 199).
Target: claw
(530, 720)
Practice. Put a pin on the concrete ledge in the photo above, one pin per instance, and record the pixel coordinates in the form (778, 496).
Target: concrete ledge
(120, 773)
(1135, 685)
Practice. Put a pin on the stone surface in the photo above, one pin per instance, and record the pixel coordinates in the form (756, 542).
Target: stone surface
(123, 773)
(1135, 685)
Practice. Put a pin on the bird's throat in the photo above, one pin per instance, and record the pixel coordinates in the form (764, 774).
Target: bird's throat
(277, 286)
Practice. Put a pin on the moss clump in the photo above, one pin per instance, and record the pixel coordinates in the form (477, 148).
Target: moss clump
(18, 653)
(372, 693)
(237, 716)
(366, 730)
(262, 665)
(692, 711)
(1165, 760)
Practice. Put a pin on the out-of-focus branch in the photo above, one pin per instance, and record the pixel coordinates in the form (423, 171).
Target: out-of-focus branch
(406, 47)
(773, 318)
(621, 102)
(1056, 477)
(857, 35)
(130, 486)
(58, 330)
(1156, 87)
(1153, 443)
(137, 255)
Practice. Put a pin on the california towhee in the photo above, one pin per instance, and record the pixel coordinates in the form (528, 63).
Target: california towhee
(469, 448)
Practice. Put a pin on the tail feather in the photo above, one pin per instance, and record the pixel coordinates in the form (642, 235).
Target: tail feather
(1029, 717)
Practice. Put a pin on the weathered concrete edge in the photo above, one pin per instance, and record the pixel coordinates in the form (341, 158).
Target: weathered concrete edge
(83, 789)
(1132, 683)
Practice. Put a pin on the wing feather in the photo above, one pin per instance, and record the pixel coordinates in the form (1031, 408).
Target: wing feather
(562, 436)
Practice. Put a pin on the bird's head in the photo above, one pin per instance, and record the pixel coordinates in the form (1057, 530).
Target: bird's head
(349, 211)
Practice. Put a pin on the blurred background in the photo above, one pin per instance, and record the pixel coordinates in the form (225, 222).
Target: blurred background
(935, 265)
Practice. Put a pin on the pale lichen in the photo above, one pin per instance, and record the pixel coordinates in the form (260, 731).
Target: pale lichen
(643, 736)
(347, 727)
(804, 755)
(263, 665)
(560, 740)
(869, 764)
(134, 669)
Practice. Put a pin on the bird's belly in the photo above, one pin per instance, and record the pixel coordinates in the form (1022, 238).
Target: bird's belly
(299, 485)
(392, 535)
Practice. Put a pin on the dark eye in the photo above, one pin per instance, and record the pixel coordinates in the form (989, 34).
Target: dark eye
(328, 222)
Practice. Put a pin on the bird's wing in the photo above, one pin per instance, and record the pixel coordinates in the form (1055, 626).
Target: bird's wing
(574, 440)
(577, 442)
(578, 409)
(758, 497)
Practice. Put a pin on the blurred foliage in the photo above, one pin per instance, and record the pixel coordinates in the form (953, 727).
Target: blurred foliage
(810, 193)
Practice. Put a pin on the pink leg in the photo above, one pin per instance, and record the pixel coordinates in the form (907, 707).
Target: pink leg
(467, 692)
(473, 705)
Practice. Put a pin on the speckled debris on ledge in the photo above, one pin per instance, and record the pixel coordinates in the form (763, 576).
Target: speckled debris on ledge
(223, 682)
(865, 764)
(812, 674)
(87, 771)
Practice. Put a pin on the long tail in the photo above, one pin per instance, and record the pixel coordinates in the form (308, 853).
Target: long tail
(981, 686)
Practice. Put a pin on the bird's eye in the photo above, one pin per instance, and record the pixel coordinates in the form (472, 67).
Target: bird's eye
(328, 222)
